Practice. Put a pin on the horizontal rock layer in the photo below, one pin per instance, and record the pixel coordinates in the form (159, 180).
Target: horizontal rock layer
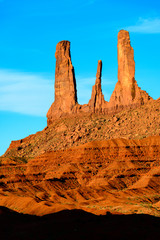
(99, 176)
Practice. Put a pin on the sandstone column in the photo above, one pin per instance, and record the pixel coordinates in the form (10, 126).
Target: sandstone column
(97, 98)
(126, 93)
(126, 63)
(65, 83)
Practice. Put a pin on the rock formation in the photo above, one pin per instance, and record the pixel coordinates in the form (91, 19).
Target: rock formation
(65, 83)
(126, 94)
(97, 99)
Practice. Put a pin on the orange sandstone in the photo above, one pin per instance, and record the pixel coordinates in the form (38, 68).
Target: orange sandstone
(126, 94)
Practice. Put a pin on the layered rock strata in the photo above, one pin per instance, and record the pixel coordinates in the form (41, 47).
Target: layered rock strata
(117, 173)
(126, 94)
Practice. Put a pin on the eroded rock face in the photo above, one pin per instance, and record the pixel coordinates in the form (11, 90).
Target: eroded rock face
(65, 83)
(126, 94)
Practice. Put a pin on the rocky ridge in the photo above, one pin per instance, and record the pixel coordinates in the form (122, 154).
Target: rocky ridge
(74, 130)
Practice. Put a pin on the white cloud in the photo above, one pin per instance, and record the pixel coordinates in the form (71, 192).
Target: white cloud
(146, 26)
(25, 93)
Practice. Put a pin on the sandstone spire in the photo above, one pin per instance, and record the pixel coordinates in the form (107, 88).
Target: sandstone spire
(97, 98)
(126, 63)
(126, 93)
(65, 83)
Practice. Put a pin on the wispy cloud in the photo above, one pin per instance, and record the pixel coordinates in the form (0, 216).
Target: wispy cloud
(33, 94)
(25, 93)
(151, 26)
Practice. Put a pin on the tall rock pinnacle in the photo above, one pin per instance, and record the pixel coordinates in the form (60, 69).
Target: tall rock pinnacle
(65, 83)
(97, 99)
(126, 92)
(126, 63)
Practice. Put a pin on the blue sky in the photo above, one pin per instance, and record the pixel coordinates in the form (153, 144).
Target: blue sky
(29, 32)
